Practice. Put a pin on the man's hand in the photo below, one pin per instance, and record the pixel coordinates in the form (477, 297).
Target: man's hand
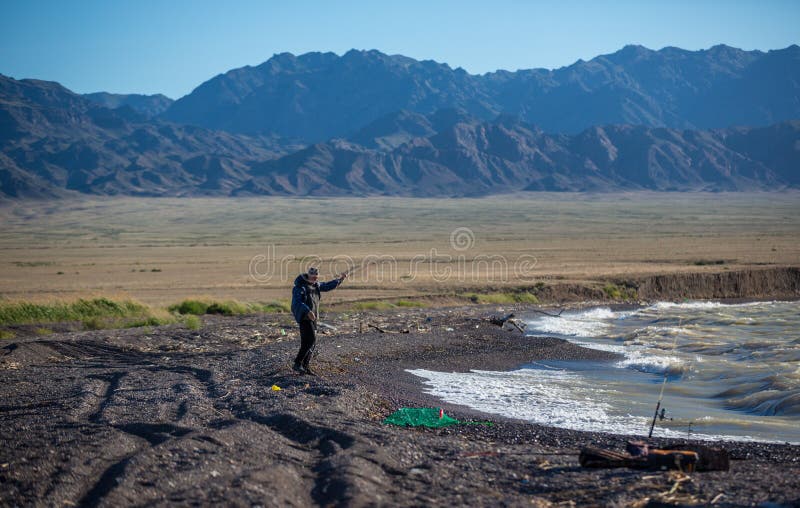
(342, 276)
(311, 315)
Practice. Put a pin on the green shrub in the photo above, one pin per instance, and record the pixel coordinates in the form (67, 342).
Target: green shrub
(149, 321)
(526, 297)
(617, 292)
(93, 324)
(612, 291)
(227, 308)
(79, 310)
(195, 307)
(503, 298)
(192, 322)
(7, 334)
(704, 262)
(275, 306)
(409, 303)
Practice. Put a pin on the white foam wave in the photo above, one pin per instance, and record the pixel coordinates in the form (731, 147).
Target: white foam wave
(644, 361)
(533, 395)
(706, 305)
(544, 397)
(638, 358)
(589, 323)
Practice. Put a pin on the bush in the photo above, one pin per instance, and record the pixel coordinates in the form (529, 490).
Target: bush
(409, 303)
(616, 292)
(226, 308)
(195, 307)
(192, 322)
(229, 308)
(503, 298)
(21, 312)
(704, 262)
(149, 321)
(612, 291)
(93, 324)
(276, 306)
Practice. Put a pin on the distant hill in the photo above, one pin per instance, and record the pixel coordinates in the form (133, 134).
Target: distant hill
(55, 142)
(367, 123)
(317, 96)
(146, 105)
(470, 157)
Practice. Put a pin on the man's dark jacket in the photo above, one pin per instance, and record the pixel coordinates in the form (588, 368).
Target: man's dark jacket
(305, 296)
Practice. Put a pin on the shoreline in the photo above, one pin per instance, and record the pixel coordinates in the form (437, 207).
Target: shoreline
(120, 417)
(413, 389)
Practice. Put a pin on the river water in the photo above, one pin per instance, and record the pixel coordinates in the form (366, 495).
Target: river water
(732, 372)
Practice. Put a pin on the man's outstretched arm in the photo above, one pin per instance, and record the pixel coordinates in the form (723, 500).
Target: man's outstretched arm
(332, 284)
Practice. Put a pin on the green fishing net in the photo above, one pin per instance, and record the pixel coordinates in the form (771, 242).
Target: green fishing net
(419, 417)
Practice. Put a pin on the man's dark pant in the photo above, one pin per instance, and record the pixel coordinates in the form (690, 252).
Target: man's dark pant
(308, 338)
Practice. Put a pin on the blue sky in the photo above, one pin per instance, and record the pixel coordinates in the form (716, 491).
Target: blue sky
(171, 46)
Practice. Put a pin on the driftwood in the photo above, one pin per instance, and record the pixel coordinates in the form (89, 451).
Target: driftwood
(506, 320)
(519, 325)
(658, 460)
(688, 458)
(381, 330)
(499, 321)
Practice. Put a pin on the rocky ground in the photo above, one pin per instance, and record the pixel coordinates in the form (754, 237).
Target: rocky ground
(180, 417)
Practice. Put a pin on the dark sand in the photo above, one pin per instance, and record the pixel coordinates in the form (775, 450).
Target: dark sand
(180, 417)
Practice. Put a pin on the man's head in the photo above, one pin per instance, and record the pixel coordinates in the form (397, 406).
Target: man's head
(313, 274)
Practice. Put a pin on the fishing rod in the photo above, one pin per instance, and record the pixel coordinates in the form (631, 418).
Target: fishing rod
(549, 313)
(663, 384)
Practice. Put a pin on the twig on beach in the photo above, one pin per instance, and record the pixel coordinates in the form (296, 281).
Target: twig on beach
(520, 327)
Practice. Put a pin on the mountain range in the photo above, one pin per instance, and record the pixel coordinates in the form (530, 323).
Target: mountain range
(318, 96)
(147, 105)
(367, 123)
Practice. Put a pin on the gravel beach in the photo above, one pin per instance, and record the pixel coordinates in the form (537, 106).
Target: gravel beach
(216, 416)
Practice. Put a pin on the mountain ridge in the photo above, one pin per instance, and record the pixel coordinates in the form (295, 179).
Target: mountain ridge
(317, 96)
(449, 136)
(147, 105)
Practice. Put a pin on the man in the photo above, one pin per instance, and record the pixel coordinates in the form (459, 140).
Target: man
(305, 307)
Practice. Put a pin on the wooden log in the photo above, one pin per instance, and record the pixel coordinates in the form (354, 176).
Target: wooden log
(500, 321)
(654, 460)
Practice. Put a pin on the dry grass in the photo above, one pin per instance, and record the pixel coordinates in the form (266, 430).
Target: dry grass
(161, 251)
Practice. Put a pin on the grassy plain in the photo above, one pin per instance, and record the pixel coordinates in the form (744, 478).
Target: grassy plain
(162, 250)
